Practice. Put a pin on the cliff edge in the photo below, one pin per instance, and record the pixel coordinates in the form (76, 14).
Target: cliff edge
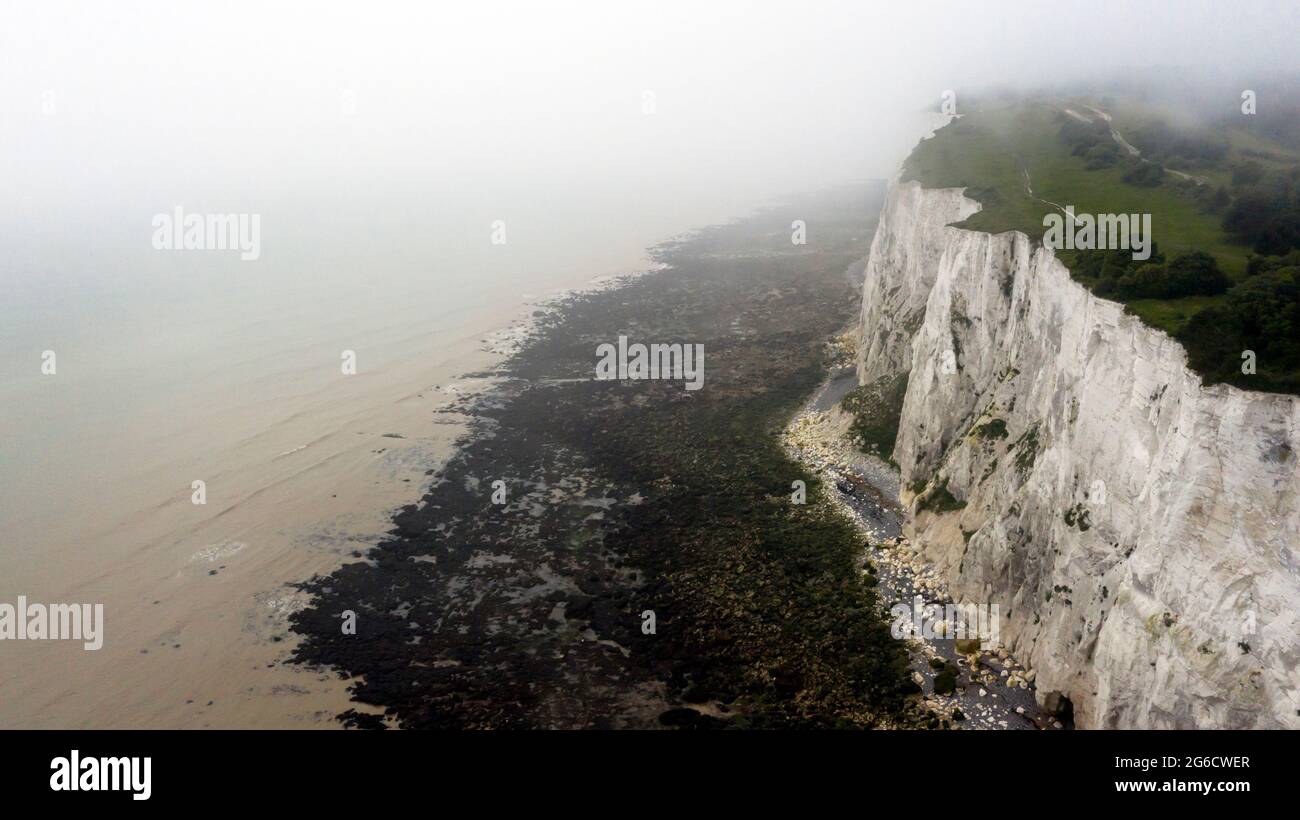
(1137, 529)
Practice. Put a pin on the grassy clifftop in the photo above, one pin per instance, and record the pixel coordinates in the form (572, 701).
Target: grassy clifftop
(993, 150)
(1224, 206)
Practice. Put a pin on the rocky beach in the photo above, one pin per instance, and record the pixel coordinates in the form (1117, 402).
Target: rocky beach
(963, 681)
(628, 553)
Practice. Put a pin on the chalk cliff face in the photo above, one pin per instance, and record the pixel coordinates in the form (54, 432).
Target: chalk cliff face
(1139, 531)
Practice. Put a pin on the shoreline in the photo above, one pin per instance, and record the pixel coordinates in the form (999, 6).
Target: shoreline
(617, 504)
(197, 609)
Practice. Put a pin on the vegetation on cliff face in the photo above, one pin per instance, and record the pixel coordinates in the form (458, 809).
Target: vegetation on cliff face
(876, 409)
(1225, 217)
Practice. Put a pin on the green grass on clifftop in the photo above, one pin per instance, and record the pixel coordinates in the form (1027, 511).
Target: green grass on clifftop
(990, 152)
(1225, 217)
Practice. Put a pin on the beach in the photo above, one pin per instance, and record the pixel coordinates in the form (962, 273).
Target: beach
(626, 553)
(200, 370)
(195, 596)
(527, 611)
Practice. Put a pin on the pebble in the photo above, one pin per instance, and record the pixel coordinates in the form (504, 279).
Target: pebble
(899, 561)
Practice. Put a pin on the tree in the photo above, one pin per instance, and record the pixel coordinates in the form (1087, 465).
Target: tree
(1144, 174)
(1196, 274)
(1101, 156)
(1151, 281)
(1247, 173)
(1266, 308)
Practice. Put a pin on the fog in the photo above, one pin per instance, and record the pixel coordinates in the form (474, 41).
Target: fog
(237, 102)
(379, 144)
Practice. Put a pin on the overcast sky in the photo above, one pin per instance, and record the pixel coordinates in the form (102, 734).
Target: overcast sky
(112, 105)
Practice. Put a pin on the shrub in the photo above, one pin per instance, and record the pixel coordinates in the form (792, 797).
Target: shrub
(1144, 174)
(992, 429)
(1189, 274)
(940, 500)
(1260, 314)
(1101, 156)
(1151, 281)
(1196, 274)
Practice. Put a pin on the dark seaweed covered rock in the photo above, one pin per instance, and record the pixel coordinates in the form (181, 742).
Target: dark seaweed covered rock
(631, 502)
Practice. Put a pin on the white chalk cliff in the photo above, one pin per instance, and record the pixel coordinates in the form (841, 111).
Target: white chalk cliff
(1138, 530)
